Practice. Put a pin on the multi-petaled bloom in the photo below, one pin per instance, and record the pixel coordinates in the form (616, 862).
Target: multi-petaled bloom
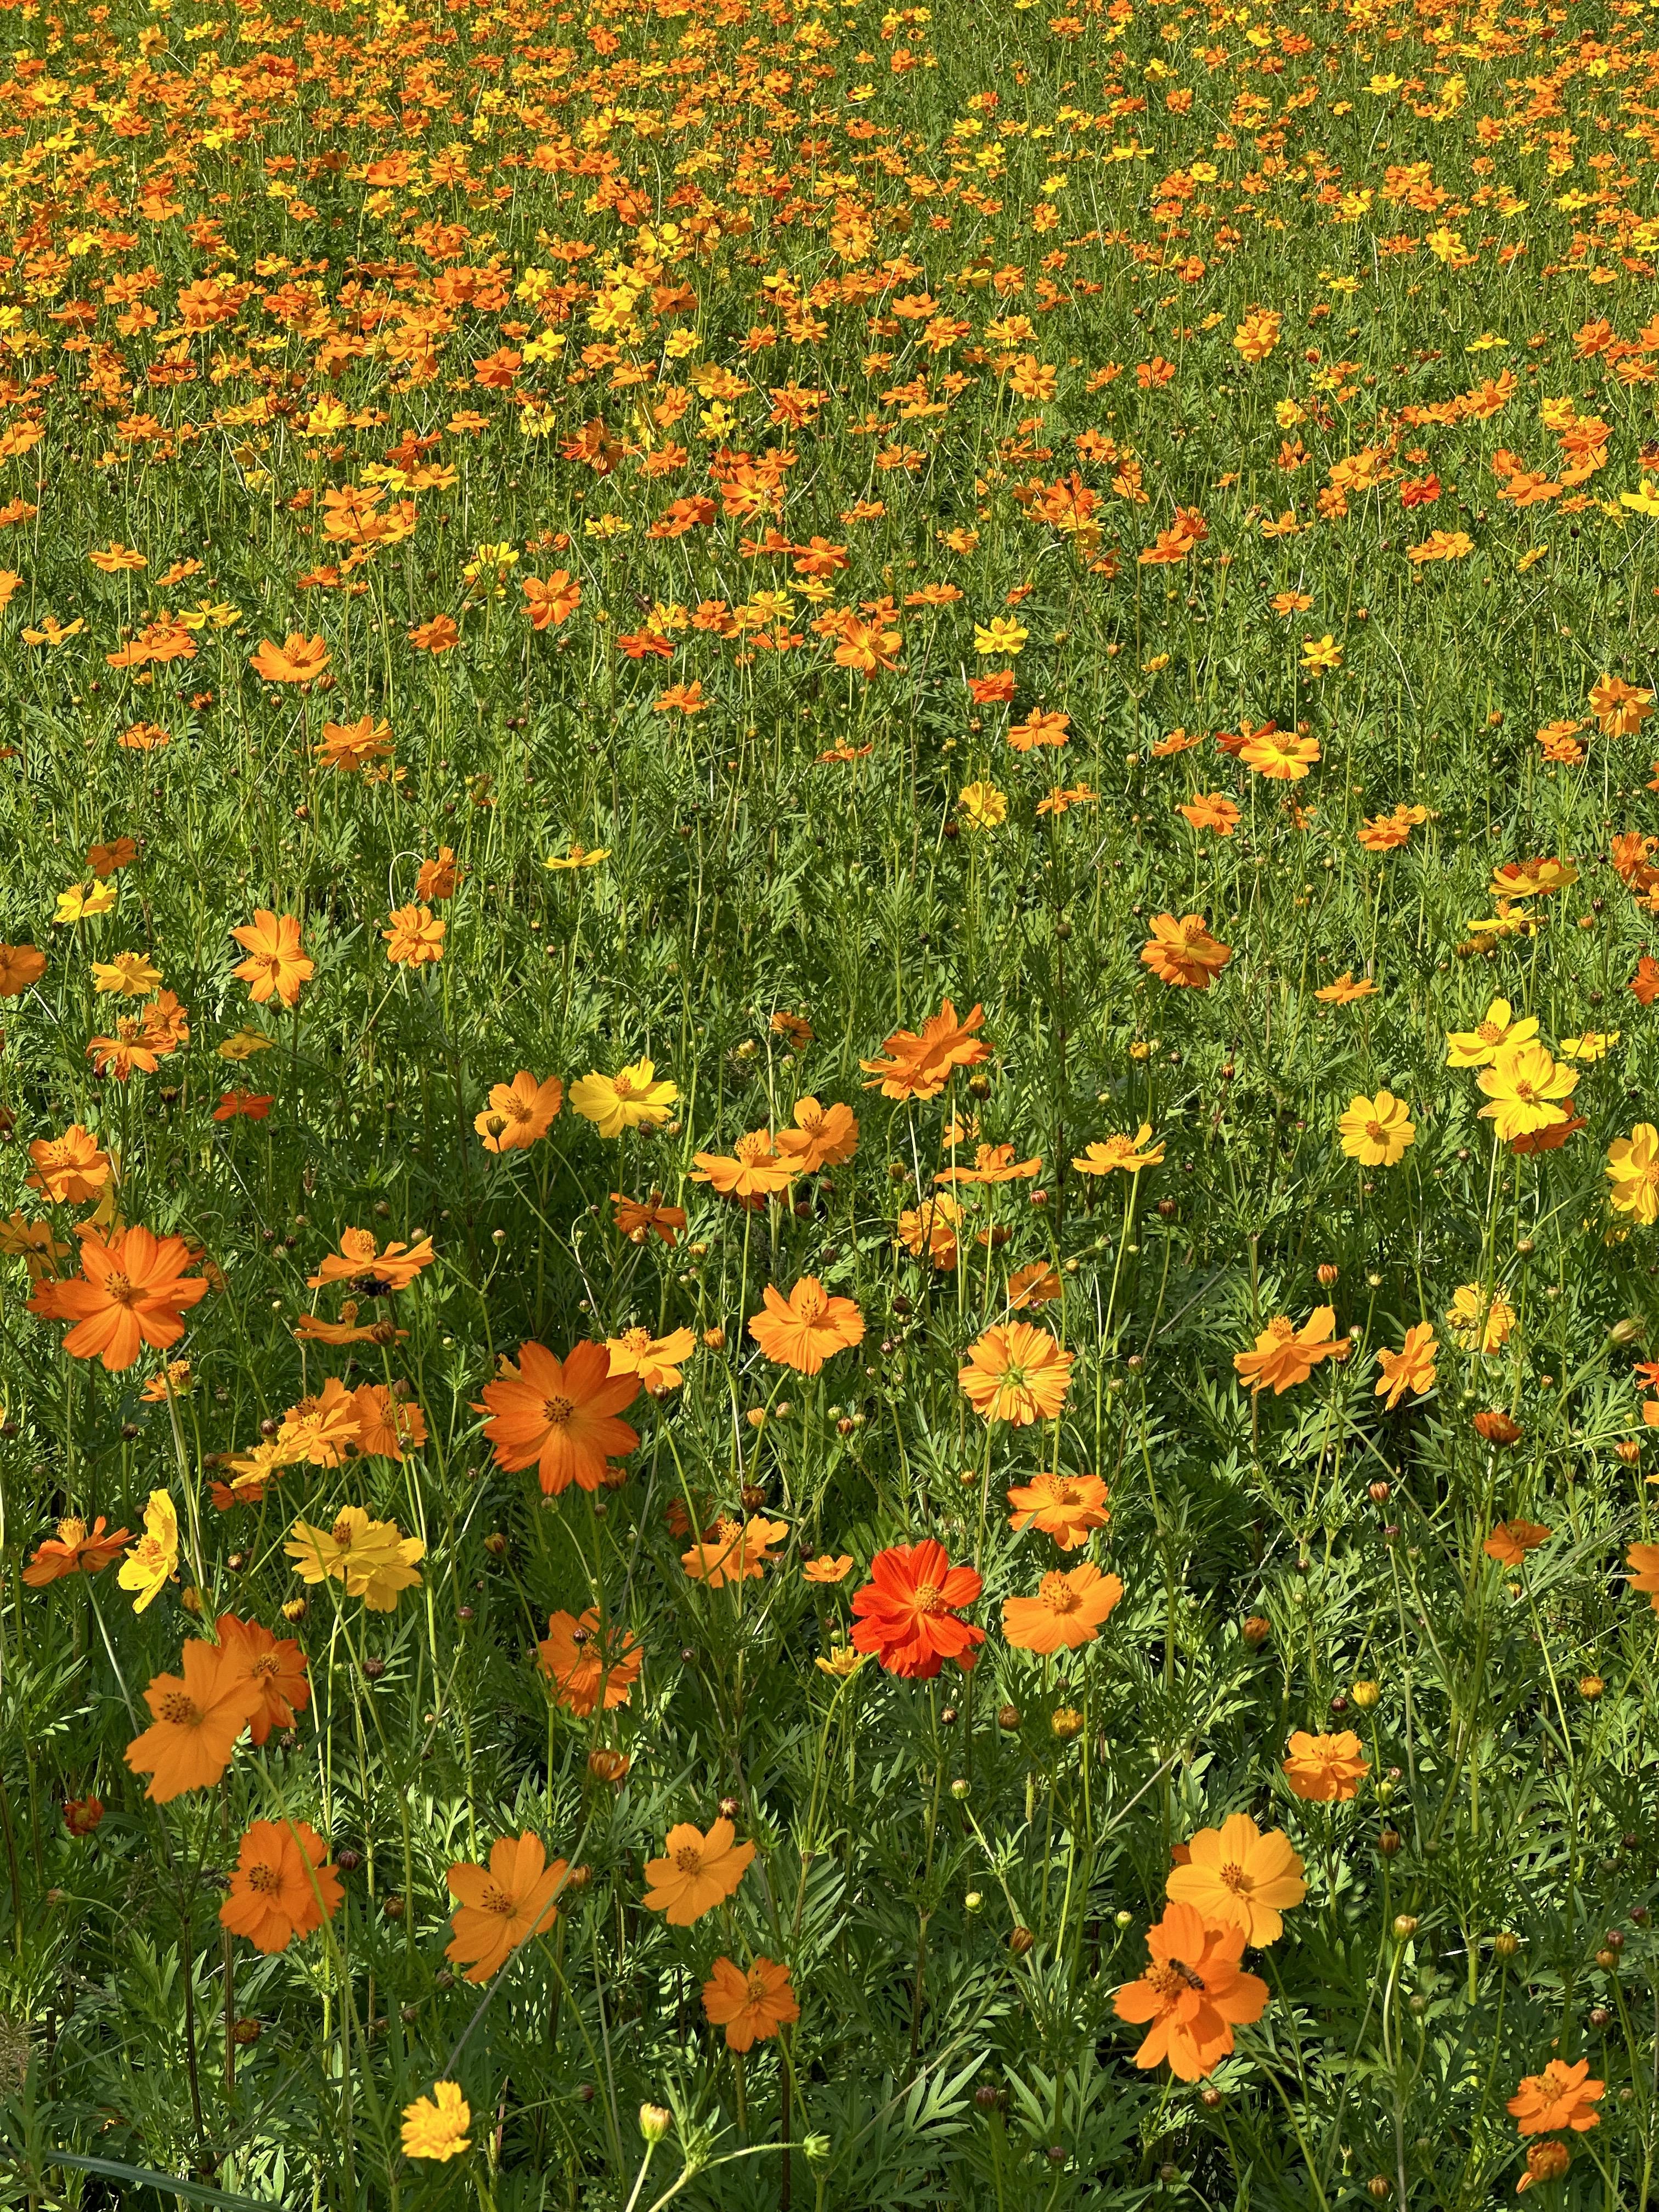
(1192, 1995)
(1286, 1355)
(559, 1416)
(275, 1665)
(1321, 1768)
(807, 1328)
(748, 2005)
(751, 1172)
(277, 962)
(1066, 1612)
(1236, 1877)
(1632, 1170)
(1376, 1132)
(734, 1550)
(153, 1559)
(69, 1170)
(657, 1360)
(376, 1274)
(1184, 952)
(582, 1662)
(630, 1099)
(282, 1887)
(1560, 2097)
(520, 1113)
(368, 1557)
(435, 2127)
(75, 1550)
(822, 1136)
(1016, 1373)
(1132, 1154)
(908, 1612)
(696, 1872)
(921, 1063)
(199, 1714)
(1064, 1506)
(1412, 1368)
(132, 1290)
(1524, 1087)
(502, 1905)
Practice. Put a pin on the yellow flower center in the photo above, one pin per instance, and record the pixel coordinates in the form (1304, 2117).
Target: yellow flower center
(71, 1532)
(929, 1598)
(120, 1291)
(1491, 1032)
(1281, 1328)
(1057, 1593)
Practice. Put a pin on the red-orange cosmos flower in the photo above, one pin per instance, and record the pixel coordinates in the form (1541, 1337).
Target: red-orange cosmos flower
(283, 1886)
(807, 1328)
(132, 1290)
(503, 1906)
(1184, 952)
(906, 1613)
(1511, 1542)
(1192, 1995)
(559, 1415)
(276, 1667)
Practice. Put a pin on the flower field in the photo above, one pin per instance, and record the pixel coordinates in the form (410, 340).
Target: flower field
(828, 1240)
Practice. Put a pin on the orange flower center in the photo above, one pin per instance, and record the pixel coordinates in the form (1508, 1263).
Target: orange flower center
(342, 1533)
(558, 1412)
(1173, 1980)
(688, 1860)
(71, 1533)
(622, 1087)
(264, 1879)
(496, 1900)
(181, 1710)
(1525, 1090)
(264, 1668)
(1490, 1033)
(929, 1598)
(756, 1986)
(1377, 1133)
(120, 1291)
(1058, 1594)
(1234, 1879)
(1281, 1328)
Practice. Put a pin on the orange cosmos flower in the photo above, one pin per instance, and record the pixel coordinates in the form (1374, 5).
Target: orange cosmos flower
(1322, 1767)
(1192, 1995)
(1063, 1506)
(698, 1873)
(520, 1113)
(131, 1291)
(387, 1424)
(734, 1551)
(1036, 1284)
(822, 1136)
(69, 1170)
(1016, 1373)
(559, 1415)
(1643, 1560)
(375, 1274)
(283, 1886)
(1278, 755)
(276, 1667)
(921, 1063)
(1066, 1613)
(276, 964)
(641, 1218)
(1286, 1355)
(750, 2007)
(1412, 1368)
(76, 1550)
(416, 939)
(583, 1664)
(806, 1328)
(298, 660)
(198, 1716)
(750, 1174)
(1184, 952)
(1211, 809)
(1236, 1877)
(1560, 2097)
(20, 965)
(655, 1359)
(906, 1613)
(827, 1568)
(501, 1908)
(551, 600)
(1511, 1542)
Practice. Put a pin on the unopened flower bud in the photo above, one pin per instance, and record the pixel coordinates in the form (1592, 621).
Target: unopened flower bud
(655, 2121)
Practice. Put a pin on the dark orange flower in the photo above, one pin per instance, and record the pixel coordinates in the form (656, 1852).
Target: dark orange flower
(579, 1661)
(76, 1550)
(559, 1415)
(807, 1328)
(278, 963)
(921, 1063)
(298, 660)
(132, 1290)
(1511, 1542)
(1192, 1995)
(282, 1887)
(750, 2006)
(276, 1667)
